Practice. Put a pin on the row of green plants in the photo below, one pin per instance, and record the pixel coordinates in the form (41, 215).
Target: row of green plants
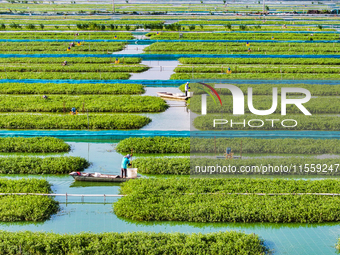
(226, 243)
(168, 165)
(157, 144)
(263, 22)
(254, 69)
(65, 75)
(26, 207)
(207, 200)
(33, 144)
(258, 28)
(91, 103)
(241, 48)
(65, 121)
(73, 68)
(244, 36)
(69, 35)
(160, 144)
(261, 61)
(127, 25)
(221, 8)
(293, 122)
(71, 89)
(24, 185)
(61, 47)
(142, 22)
(314, 105)
(207, 17)
(39, 7)
(257, 76)
(162, 27)
(71, 60)
(37, 21)
(47, 165)
(186, 166)
(267, 89)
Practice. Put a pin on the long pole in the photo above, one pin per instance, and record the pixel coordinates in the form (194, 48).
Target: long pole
(113, 5)
(241, 150)
(88, 121)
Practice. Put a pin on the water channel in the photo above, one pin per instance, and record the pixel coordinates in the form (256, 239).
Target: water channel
(96, 216)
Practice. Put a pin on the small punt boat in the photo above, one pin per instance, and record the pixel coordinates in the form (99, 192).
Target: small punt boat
(97, 177)
(175, 96)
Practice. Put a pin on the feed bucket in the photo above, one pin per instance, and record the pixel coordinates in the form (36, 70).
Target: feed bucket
(132, 172)
(190, 94)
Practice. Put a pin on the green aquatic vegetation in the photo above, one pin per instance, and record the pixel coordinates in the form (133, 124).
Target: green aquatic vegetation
(154, 145)
(70, 35)
(28, 207)
(227, 243)
(65, 75)
(152, 165)
(314, 122)
(207, 145)
(241, 48)
(47, 165)
(262, 61)
(254, 69)
(61, 47)
(208, 200)
(33, 145)
(75, 68)
(80, 121)
(253, 22)
(70, 60)
(244, 36)
(49, 21)
(83, 103)
(181, 166)
(251, 76)
(71, 89)
(24, 186)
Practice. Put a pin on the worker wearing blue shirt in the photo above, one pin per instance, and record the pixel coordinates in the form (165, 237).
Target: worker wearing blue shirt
(187, 89)
(125, 163)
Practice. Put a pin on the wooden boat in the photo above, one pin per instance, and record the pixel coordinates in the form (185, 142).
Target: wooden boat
(92, 177)
(175, 96)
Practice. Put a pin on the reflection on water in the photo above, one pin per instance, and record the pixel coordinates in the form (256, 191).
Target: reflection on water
(176, 117)
(160, 70)
(131, 49)
(96, 214)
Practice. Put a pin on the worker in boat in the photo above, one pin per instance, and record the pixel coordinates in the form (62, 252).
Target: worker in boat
(187, 89)
(65, 63)
(125, 163)
(44, 97)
